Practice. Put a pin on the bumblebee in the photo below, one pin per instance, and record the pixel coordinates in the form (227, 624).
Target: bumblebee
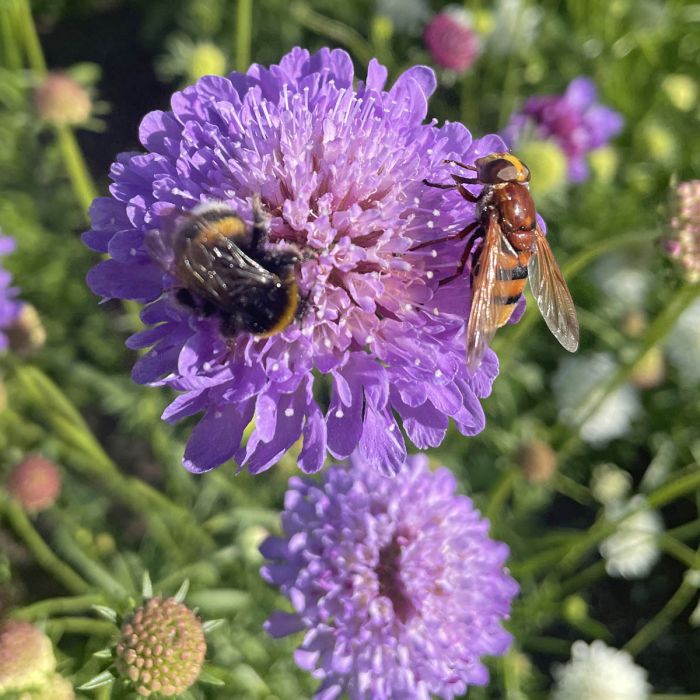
(513, 248)
(225, 268)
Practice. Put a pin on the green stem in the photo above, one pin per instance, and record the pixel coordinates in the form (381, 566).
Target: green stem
(657, 331)
(58, 606)
(32, 45)
(81, 625)
(679, 551)
(42, 552)
(332, 29)
(678, 486)
(674, 607)
(500, 493)
(83, 186)
(12, 57)
(244, 31)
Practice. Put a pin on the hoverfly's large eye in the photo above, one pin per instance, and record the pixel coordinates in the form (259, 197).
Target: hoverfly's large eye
(497, 171)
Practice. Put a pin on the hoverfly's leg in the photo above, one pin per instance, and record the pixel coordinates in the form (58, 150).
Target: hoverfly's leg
(460, 235)
(439, 185)
(467, 194)
(475, 231)
(461, 165)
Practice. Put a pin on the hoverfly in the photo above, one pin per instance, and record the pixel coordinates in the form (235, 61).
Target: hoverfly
(513, 249)
(226, 268)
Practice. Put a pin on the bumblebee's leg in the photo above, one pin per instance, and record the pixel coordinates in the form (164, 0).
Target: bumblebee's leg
(460, 235)
(465, 254)
(260, 219)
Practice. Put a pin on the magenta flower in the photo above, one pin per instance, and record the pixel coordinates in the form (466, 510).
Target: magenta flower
(451, 40)
(339, 168)
(10, 305)
(575, 120)
(395, 582)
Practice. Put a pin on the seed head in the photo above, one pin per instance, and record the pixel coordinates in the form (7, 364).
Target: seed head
(162, 647)
(35, 483)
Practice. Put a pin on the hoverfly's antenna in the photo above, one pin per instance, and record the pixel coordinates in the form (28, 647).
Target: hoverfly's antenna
(461, 165)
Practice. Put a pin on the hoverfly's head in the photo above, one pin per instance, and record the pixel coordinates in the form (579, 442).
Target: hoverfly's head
(499, 168)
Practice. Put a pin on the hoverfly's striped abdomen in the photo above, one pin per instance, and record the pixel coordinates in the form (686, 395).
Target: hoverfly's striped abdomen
(510, 285)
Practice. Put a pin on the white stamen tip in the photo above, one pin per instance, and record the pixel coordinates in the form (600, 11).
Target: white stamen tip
(436, 311)
(433, 253)
(431, 224)
(369, 339)
(436, 212)
(430, 274)
(438, 373)
(327, 342)
(289, 412)
(132, 251)
(416, 362)
(339, 413)
(275, 367)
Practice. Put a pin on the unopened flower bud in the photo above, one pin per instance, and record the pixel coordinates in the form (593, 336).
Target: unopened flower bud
(684, 244)
(537, 460)
(26, 656)
(451, 40)
(26, 335)
(35, 483)
(62, 101)
(162, 648)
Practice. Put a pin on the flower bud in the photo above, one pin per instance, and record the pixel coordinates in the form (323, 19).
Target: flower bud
(162, 648)
(538, 461)
(35, 483)
(684, 246)
(26, 334)
(26, 656)
(62, 101)
(451, 40)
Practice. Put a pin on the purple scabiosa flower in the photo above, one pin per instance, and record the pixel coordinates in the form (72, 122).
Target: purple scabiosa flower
(576, 121)
(10, 306)
(451, 39)
(338, 167)
(396, 584)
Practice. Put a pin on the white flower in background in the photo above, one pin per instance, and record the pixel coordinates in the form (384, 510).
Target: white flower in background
(632, 550)
(683, 344)
(623, 285)
(514, 26)
(599, 672)
(610, 484)
(578, 383)
(407, 16)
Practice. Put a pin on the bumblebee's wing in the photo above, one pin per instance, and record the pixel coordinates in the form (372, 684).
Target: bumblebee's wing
(224, 271)
(483, 317)
(552, 294)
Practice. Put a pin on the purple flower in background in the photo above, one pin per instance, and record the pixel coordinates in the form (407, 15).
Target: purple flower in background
(396, 584)
(10, 306)
(575, 120)
(339, 168)
(451, 39)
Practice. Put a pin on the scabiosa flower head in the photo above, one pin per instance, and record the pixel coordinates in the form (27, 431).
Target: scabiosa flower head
(396, 584)
(633, 549)
(339, 168)
(598, 671)
(575, 120)
(35, 482)
(578, 382)
(52, 687)
(684, 244)
(162, 647)
(10, 306)
(451, 40)
(26, 656)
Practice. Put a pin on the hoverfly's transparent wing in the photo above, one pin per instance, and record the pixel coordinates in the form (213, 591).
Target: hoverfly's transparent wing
(483, 317)
(552, 294)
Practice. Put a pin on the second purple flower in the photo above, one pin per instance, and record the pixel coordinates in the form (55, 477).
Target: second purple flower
(338, 166)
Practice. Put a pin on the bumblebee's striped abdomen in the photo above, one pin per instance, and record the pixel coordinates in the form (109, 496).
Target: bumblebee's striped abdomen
(510, 285)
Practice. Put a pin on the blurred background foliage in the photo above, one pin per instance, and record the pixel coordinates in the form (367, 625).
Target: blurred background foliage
(127, 506)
